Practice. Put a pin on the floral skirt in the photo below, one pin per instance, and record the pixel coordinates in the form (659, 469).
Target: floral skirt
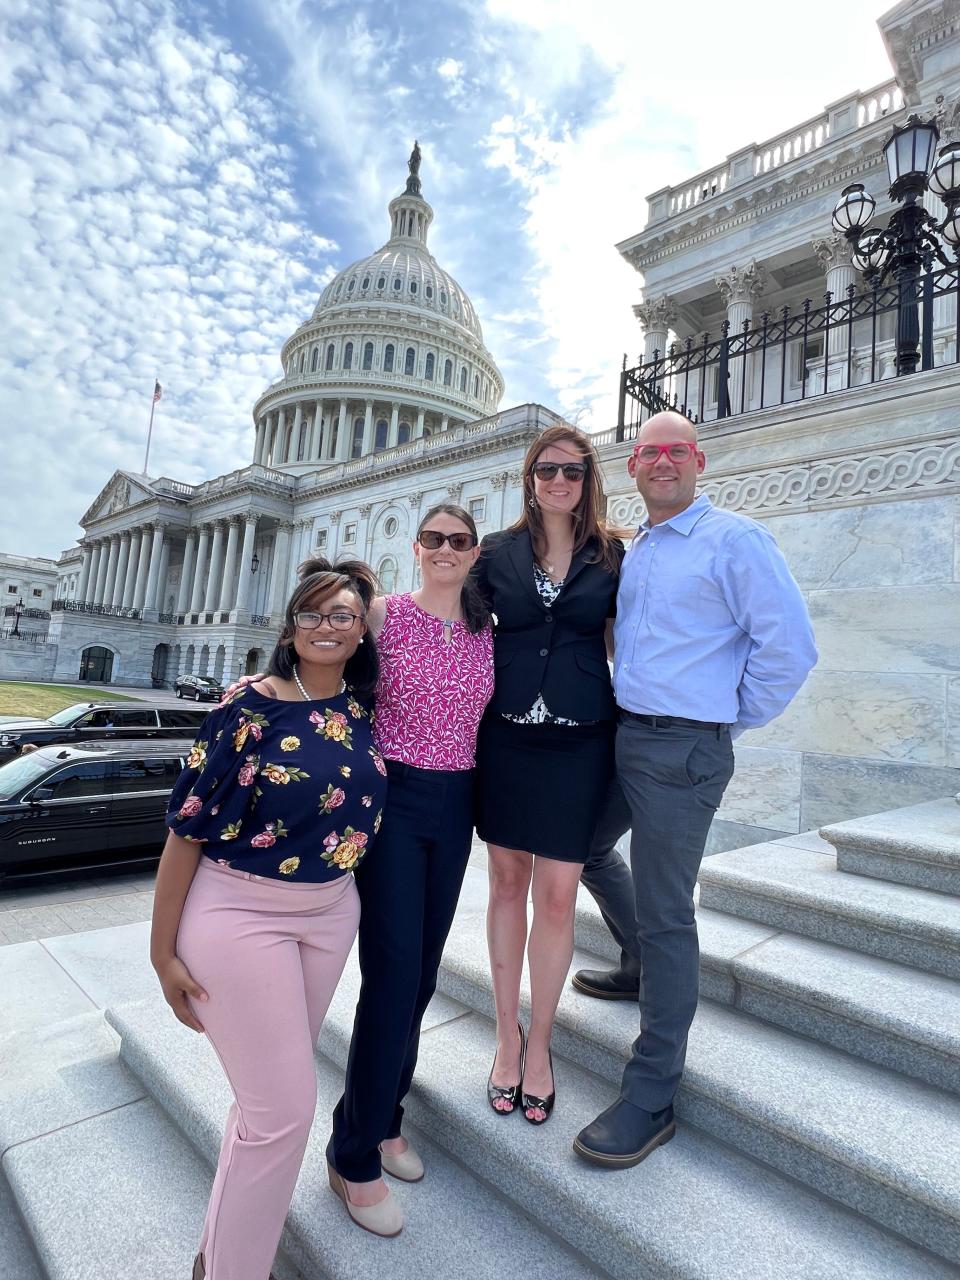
(540, 787)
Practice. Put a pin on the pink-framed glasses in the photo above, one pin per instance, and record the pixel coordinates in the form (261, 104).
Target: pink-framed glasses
(677, 451)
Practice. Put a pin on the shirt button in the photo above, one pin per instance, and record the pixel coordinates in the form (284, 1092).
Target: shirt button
(544, 652)
(549, 617)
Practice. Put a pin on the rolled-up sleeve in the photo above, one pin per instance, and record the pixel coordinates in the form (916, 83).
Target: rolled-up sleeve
(769, 606)
(213, 793)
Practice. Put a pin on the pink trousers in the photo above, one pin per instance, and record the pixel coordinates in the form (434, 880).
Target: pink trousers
(269, 956)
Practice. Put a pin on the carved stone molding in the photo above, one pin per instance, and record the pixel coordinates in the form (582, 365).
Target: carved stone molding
(832, 251)
(499, 481)
(833, 481)
(516, 478)
(365, 509)
(947, 117)
(742, 284)
(415, 498)
(334, 517)
(657, 314)
(454, 491)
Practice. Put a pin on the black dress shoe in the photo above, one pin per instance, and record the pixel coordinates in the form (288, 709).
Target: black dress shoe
(612, 984)
(532, 1103)
(509, 1093)
(624, 1135)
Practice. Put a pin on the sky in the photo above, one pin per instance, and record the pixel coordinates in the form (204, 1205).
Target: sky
(180, 180)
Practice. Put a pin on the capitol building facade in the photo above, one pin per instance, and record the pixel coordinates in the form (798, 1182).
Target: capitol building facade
(387, 404)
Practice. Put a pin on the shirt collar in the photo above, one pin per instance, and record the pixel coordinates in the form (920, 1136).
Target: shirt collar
(684, 520)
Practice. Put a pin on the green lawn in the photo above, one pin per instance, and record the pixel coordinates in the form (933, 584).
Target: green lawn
(18, 699)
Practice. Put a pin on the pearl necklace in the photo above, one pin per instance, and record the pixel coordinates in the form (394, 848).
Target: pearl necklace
(306, 697)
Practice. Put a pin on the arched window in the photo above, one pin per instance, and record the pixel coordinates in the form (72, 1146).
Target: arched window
(388, 358)
(348, 356)
(443, 297)
(380, 437)
(403, 433)
(387, 573)
(203, 665)
(356, 445)
(409, 361)
(397, 282)
(428, 367)
(429, 290)
(365, 283)
(413, 286)
(303, 356)
(368, 355)
(476, 386)
(328, 362)
(463, 380)
(381, 281)
(447, 372)
(315, 360)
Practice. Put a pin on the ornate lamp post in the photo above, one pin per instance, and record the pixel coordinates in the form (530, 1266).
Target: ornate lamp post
(17, 610)
(912, 238)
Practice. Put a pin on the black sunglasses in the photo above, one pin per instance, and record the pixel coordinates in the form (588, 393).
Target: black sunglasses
(571, 470)
(432, 539)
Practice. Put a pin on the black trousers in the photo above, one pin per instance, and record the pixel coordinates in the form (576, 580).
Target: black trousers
(669, 782)
(408, 888)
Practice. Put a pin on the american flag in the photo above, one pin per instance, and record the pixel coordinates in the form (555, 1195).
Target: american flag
(157, 392)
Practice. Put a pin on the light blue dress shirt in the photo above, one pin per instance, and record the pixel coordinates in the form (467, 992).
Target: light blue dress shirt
(710, 623)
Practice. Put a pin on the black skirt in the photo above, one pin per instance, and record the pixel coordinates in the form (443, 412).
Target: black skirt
(540, 787)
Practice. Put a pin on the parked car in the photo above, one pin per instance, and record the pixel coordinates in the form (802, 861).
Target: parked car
(200, 688)
(89, 721)
(94, 804)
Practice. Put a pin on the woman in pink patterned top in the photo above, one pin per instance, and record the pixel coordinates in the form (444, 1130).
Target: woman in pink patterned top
(436, 678)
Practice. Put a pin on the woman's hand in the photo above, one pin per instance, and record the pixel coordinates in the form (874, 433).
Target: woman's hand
(177, 985)
(240, 684)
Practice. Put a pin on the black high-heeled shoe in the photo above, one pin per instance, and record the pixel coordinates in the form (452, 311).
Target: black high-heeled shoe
(530, 1103)
(507, 1093)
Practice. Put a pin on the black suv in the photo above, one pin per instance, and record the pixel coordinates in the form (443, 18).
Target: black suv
(93, 805)
(200, 688)
(88, 721)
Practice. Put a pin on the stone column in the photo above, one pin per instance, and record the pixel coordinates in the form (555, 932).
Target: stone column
(278, 576)
(418, 433)
(343, 441)
(367, 429)
(153, 573)
(444, 422)
(657, 315)
(186, 572)
(332, 549)
(196, 599)
(112, 560)
(498, 483)
(101, 571)
(394, 431)
(316, 449)
(228, 592)
(143, 568)
(216, 569)
(279, 442)
(116, 597)
(162, 575)
(258, 440)
(739, 287)
(129, 586)
(833, 254)
(85, 561)
(294, 448)
(245, 576)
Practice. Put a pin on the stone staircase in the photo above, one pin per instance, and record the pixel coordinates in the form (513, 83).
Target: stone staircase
(819, 1110)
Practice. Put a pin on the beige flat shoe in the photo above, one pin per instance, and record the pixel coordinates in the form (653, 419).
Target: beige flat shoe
(405, 1165)
(383, 1219)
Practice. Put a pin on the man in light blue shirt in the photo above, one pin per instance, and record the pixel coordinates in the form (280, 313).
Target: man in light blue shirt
(711, 637)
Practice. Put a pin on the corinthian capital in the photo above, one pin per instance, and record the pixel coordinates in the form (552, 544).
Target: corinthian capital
(832, 251)
(656, 313)
(742, 284)
(947, 116)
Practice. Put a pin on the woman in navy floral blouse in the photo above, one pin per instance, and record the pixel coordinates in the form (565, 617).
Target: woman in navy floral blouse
(256, 908)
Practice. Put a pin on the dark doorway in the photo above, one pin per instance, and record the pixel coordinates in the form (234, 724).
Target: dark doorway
(96, 664)
(158, 672)
(252, 664)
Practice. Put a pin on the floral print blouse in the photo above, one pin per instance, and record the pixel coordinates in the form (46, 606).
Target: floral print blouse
(284, 790)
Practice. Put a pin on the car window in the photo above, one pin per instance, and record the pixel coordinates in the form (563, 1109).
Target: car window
(132, 776)
(68, 715)
(78, 780)
(181, 718)
(129, 719)
(19, 773)
(97, 720)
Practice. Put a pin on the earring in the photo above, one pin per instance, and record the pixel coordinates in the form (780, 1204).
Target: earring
(361, 640)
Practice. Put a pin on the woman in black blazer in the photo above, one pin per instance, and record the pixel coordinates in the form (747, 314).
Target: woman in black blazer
(545, 749)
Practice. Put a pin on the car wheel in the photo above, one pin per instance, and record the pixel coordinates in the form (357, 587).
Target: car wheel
(179, 692)
(196, 695)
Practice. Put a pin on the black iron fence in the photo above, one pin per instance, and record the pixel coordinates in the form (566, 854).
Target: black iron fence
(793, 355)
(10, 609)
(87, 606)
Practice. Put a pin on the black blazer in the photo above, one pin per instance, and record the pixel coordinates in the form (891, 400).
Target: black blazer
(560, 651)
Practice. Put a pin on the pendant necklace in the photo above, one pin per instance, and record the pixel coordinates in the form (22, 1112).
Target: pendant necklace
(306, 697)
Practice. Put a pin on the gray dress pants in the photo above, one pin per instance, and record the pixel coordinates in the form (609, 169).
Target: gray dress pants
(669, 781)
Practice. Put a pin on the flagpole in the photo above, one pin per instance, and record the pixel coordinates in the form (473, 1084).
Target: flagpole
(153, 404)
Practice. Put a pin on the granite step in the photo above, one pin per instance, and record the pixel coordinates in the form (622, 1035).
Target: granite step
(802, 891)
(697, 1209)
(918, 845)
(455, 1225)
(874, 1139)
(886, 1013)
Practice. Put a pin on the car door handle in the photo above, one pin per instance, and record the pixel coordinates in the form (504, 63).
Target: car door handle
(97, 808)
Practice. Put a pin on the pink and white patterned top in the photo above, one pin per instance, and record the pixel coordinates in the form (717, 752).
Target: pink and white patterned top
(431, 692)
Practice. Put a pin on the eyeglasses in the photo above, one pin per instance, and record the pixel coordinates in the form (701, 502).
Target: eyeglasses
(433, 540)
(340, 620)
(678, 451)
(572, 471)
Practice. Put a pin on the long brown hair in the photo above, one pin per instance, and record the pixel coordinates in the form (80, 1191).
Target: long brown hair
(476, 615)
(589, 525)
(318, 580)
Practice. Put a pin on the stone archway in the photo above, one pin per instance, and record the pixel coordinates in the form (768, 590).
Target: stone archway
(253, 662)
(188, 661)
(158, 669)
(218, 662)
(96, 664)
(203, 666)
